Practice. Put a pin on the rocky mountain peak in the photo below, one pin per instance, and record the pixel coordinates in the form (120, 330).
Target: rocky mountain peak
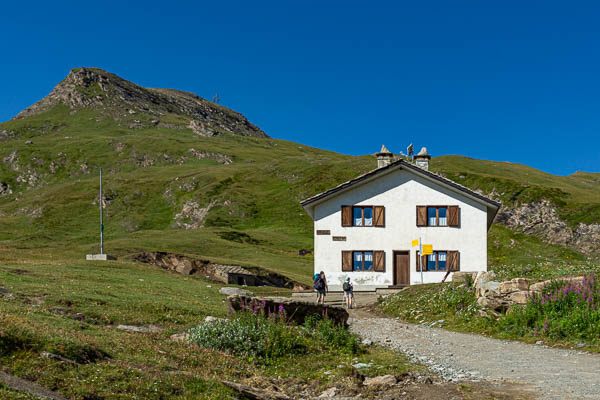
(101, 90)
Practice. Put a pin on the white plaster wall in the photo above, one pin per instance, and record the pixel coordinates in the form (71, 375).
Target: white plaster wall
(400, 192)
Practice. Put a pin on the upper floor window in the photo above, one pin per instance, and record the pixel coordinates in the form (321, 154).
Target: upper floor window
(362, 216)
(436, 216)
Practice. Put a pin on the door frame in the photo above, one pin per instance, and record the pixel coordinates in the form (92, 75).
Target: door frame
(395, 277)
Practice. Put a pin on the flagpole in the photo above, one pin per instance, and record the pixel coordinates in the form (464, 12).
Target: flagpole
(101, 217)
(421, 255)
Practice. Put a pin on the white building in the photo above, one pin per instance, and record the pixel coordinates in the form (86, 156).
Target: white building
(364, 228)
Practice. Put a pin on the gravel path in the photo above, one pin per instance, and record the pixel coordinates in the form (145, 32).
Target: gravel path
(555, 373)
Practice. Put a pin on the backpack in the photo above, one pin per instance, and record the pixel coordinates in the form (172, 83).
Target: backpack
(346, 286)
(319, 283)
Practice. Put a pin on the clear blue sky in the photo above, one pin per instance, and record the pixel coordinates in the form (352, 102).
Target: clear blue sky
(511, 81)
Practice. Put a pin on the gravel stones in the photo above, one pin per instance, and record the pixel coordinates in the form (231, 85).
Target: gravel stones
(555, 373)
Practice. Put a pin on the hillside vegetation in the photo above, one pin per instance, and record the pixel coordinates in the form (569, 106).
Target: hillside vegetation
(186, 175)
(576, 197)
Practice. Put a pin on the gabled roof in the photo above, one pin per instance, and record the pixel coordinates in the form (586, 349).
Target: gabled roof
(492, 206)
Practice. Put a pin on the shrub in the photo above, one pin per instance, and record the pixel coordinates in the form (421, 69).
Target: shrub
(266, 339)
(563, 310)
(259, 339)
(325, 332)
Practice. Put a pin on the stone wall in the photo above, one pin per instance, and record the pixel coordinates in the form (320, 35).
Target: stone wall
(500, 296)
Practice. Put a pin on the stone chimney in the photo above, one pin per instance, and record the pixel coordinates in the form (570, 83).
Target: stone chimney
(384, 157)
(422, 159)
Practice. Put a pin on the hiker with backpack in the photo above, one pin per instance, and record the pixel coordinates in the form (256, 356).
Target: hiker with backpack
(348, 293)
(320, 284)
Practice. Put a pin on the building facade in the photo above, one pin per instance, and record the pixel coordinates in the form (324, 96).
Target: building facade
(365, 228)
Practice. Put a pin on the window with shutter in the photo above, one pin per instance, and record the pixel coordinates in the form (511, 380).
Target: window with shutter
(454, 216)
(379, 262)
(379, 213)
(440, 260)
(346, 215)
(346, 261)
(453, 261)
(421, 215)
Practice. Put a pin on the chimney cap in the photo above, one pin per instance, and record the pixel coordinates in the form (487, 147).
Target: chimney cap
(422, 154)
(384, 150)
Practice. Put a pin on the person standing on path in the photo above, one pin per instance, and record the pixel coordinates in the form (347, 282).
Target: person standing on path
(348, 293)
(320, 284)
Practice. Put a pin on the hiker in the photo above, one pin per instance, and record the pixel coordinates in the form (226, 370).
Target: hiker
(320, 283)
(348, 293)
(315, 277)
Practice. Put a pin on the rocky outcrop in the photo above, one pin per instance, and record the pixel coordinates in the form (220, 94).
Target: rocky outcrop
(192, 215)
(5, 189)
(124, 100)
(295, 310)
(541, 219)
(228, 274)
(6, 135)
(220, 158)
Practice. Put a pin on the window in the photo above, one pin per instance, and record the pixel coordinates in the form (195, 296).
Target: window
(434, 262)
(362, 216)
(368, 216)
(437, 216)
(362, 261)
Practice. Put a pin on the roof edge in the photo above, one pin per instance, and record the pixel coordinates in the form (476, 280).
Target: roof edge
(409, 166)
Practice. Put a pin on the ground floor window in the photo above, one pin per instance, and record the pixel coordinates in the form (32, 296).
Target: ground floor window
(363, 260)
(435, 262)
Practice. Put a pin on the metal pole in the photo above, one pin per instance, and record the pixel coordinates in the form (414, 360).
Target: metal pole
(421, 255)
(101, 217)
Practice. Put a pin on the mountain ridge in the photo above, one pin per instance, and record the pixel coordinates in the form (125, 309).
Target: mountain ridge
(98, 89)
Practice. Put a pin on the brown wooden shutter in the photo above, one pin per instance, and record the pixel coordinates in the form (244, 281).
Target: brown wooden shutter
(453, 216)
(418, 261)
(379, 261)
(421, 215)
(346, 215)
(379, 215)
(453, 261)
(346, 261)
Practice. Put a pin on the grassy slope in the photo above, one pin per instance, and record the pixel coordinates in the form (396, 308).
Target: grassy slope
(72, 309)
(576, 196)
(259, 193)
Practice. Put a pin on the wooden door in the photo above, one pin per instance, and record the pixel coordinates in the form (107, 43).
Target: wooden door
(401, 268)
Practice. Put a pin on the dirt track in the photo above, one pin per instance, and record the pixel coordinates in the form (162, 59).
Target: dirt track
(551, 373)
